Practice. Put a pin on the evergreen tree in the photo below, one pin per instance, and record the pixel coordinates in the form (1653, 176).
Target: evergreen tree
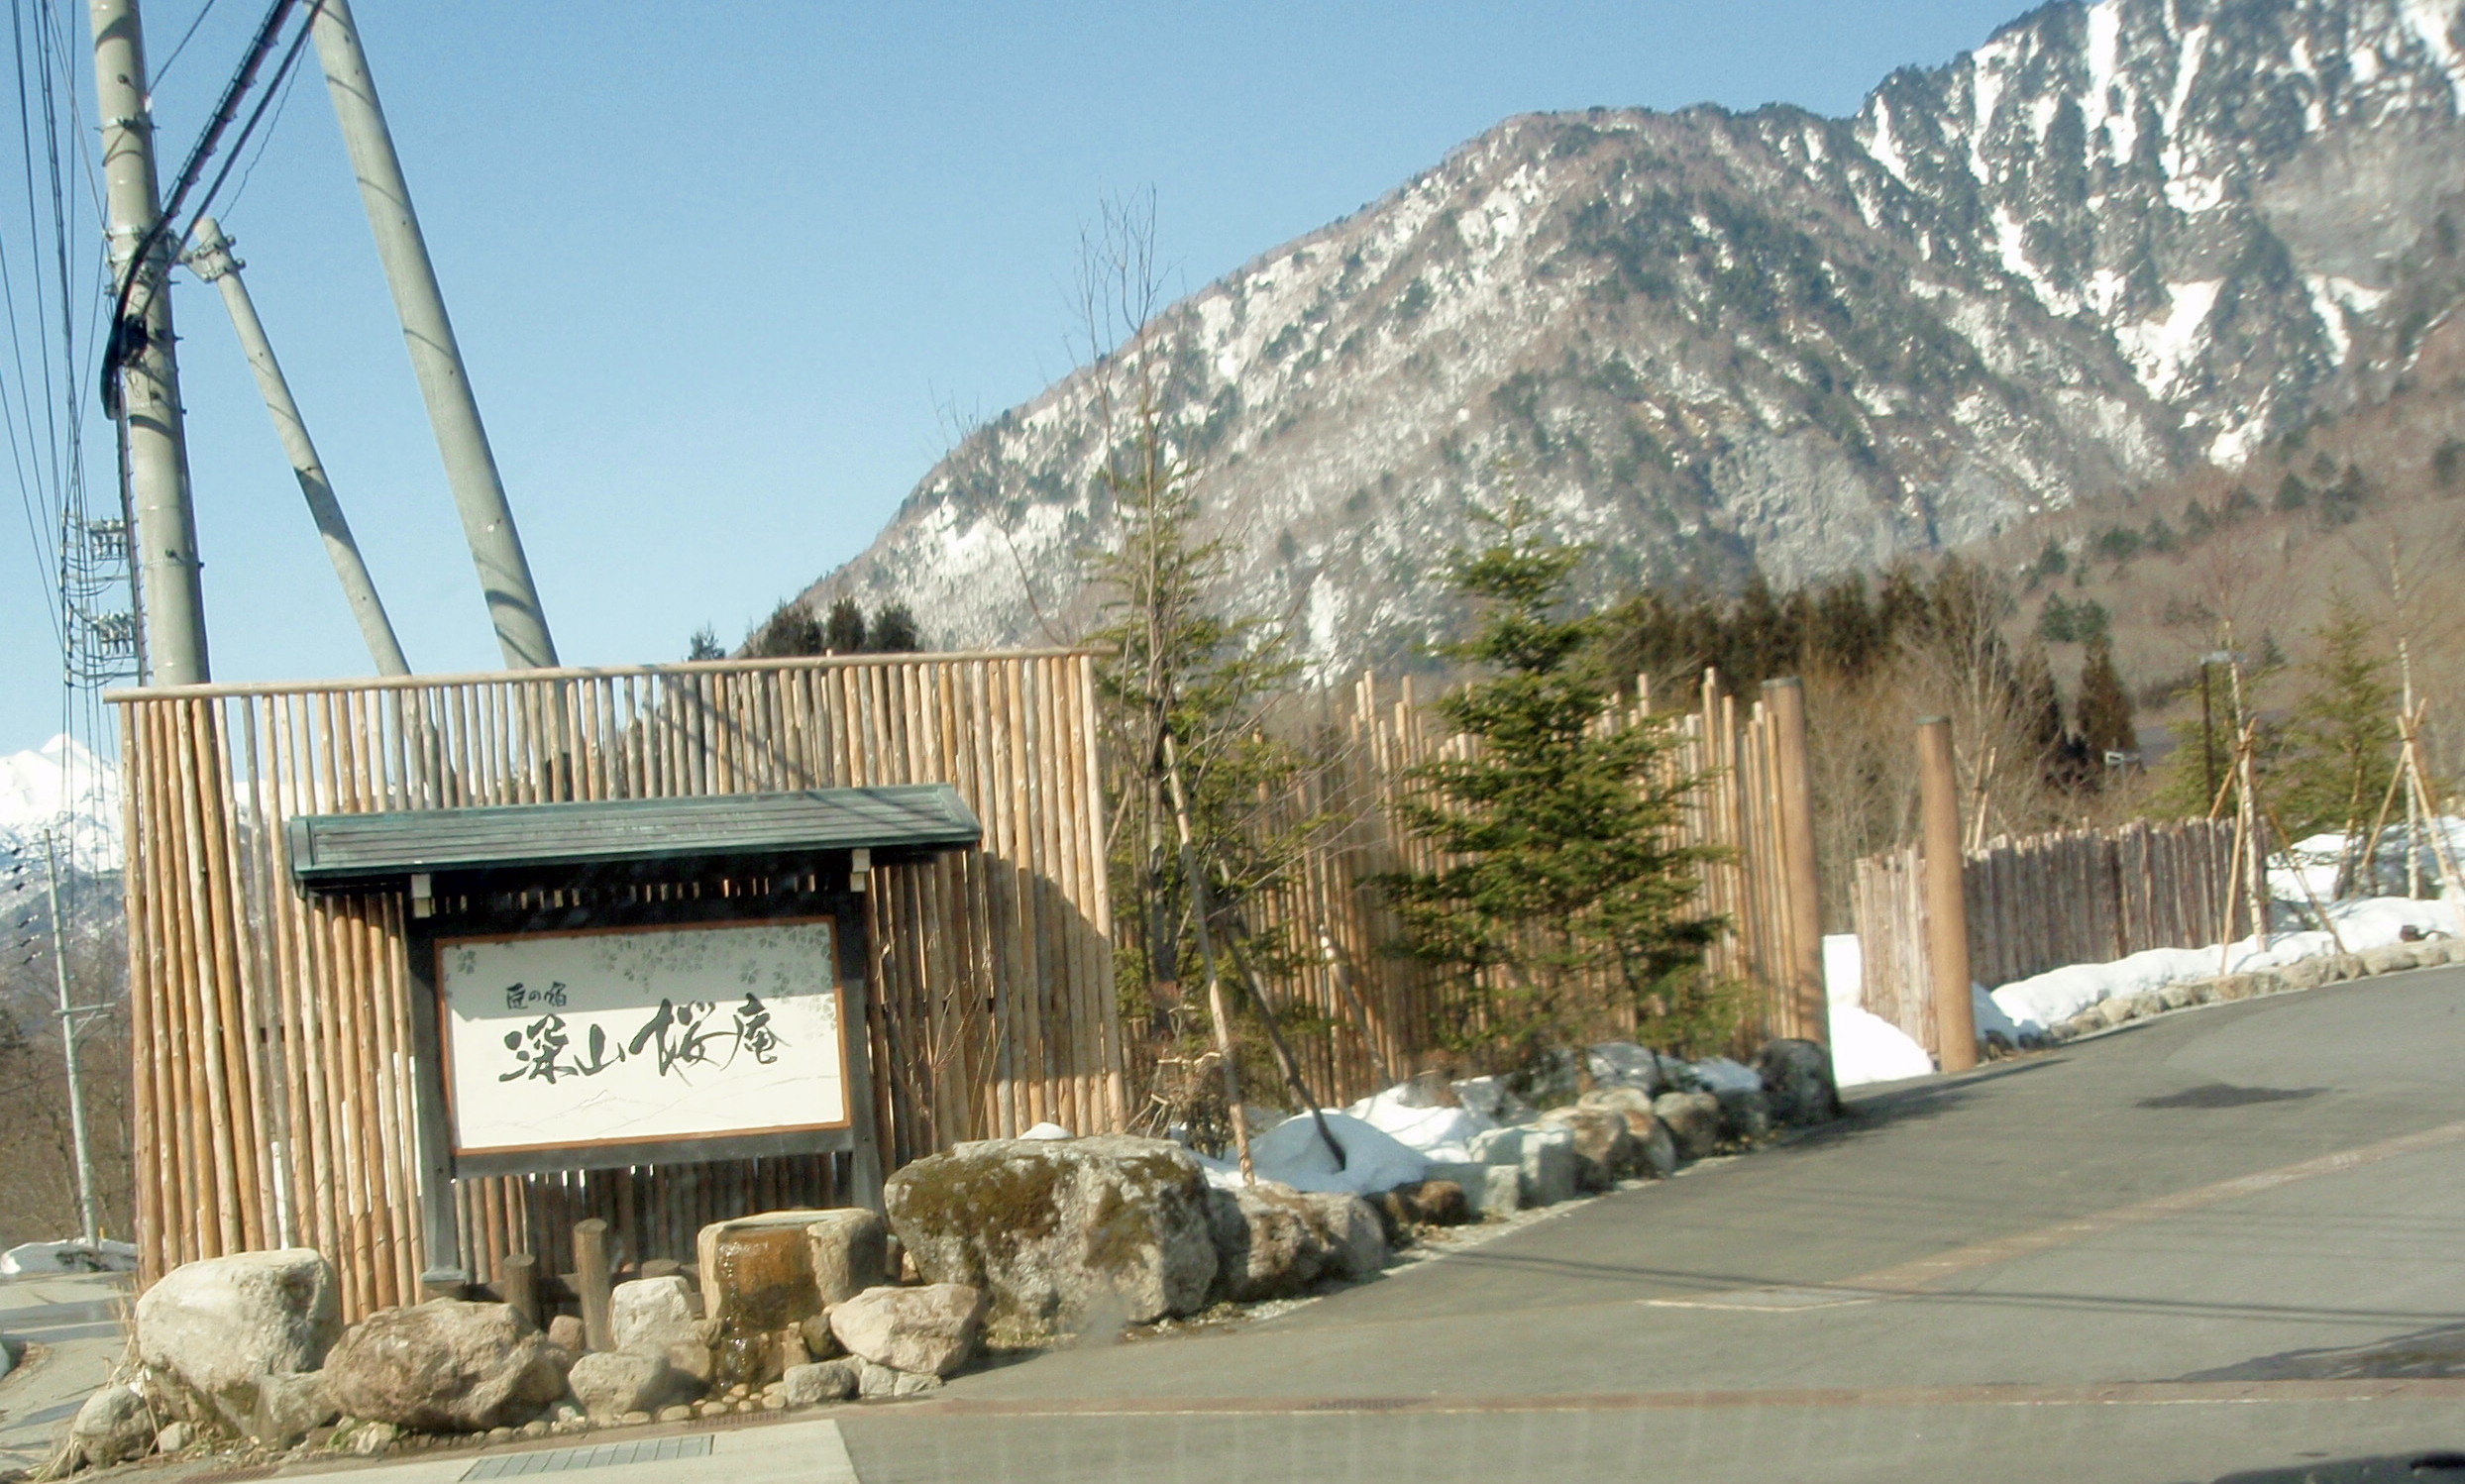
(2341, 739)
(704, 645)
(790, 630)
(895, 632)
(2105, 723)
(1563, 895)
(843, 632)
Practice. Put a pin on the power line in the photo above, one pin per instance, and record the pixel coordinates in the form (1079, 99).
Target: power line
(155, 82)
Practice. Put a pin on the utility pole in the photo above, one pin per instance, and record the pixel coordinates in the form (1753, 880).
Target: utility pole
(1784, 701)
(436, 358)
(90, 1222)
(1946, 898)
(212, 261)
(152, 438)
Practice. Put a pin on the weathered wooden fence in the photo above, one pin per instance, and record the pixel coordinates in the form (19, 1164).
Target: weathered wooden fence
(1384, 1012)
(269, 1046)
(2074, 897)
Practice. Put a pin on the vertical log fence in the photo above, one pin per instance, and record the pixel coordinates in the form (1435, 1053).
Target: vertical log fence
(2073, 897)
(270, 1047)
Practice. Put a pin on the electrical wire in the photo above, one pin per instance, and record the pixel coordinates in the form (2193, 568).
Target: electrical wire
(155, 82)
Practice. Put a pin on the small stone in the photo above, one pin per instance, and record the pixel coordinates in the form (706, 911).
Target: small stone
(536, 1427)
(565, 1332)
(711, 1408)
(819, 1342)
(567, 1426)
(748, 1405)
(739, 1392)
(677, 1414)
(820, 1382)
(773, 1403)
(1435, 1203)
(634, 1419)
(173, 1437)
(113, 1426)
(876, 1380)
(371, 1438)
(500, 1435)
(909, 1383)
(931, 1328)
(612, 1383)
(289, 1407)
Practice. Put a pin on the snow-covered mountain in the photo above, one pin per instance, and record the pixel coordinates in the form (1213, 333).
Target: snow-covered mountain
(2115, 239)
(60, 786)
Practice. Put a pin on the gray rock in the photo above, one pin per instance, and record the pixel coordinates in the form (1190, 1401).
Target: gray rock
(649, 1314)
(821, 1381)
(932, 1328)
(370, 1438)
(2387, 959)
(679, 1413)
(444, 1366)
(610, 1383)
(1605, 1148)
(288, 1407)
(565, 1332)
(1692, 1119)
(1493, 1099)
(913, 1383)
(174, 1438)
(1268, 1243)
(1052, 1231)
(221, 1322)
(1624, 1064)
(1657, 1153)
(1355, 1241)
(114, 1426)
(876, 1380)
(1486, 1200)
(849, 1251)
(1745, 1115)
(1797, 1079)
(1549, 1167)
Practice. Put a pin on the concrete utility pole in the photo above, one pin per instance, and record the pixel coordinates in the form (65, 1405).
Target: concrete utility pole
(1785, 700)
(1946, 903)
(436, 359)
(169, 571)
(212, 261)
(87, 1216)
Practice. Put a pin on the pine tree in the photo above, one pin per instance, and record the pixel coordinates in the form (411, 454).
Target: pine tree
(895, 632)
(2105, 723)
(843, 632)
(1563, 896)
(2341, 739)
(790, 630)
(704, 645)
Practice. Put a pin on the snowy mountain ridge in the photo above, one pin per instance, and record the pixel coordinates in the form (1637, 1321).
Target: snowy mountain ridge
(64, 787)
(2113, 241)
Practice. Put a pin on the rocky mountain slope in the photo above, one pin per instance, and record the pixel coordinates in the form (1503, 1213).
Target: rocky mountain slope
(2115, 240)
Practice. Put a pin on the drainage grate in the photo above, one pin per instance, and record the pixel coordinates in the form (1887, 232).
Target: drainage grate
(606, 1455)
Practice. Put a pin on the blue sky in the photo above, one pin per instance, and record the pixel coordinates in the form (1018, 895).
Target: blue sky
(724, 270)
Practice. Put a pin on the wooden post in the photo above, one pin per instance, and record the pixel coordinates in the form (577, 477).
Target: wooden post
(590, 1285)
(1785, 702)
(1947, 908)
(517, 1284)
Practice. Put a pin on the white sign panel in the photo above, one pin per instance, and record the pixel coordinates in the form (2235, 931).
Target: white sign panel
(634, 1035)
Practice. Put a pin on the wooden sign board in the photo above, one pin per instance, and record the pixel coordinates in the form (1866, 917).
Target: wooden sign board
(679, 1034)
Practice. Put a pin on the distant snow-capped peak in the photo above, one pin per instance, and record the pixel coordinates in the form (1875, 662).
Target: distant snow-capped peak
(62, 784)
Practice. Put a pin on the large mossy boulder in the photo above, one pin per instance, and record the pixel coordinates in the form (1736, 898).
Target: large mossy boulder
(1060, 1232)
(1797, 1081)
(444, 1366)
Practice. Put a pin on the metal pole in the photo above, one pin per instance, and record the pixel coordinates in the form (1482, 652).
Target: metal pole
(1785, 702)
(436, 359)
(1947, 905)
(213, 261)
(151, 432)
(90, 1222)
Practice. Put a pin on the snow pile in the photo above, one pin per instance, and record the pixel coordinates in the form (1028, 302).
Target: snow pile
(2046, 999)
(1291, 1153)
(32, 1259)
(1866, 1047)
(1444, 1134)
(1843, 969)
(2313, 863)
(62, 784)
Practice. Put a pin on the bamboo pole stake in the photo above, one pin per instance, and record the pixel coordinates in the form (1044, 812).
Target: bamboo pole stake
(1206, 960)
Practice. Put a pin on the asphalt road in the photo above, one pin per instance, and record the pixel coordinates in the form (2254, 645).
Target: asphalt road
(2221, 1243)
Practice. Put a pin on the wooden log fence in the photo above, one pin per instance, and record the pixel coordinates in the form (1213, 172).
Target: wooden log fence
(1382, 1014)
(270, 1047)
(2037, 904)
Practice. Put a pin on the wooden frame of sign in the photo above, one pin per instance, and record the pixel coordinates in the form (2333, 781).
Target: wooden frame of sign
(660, 1085)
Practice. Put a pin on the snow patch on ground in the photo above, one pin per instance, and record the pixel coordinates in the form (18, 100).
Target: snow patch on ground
(1866, 1048)
(2045, 1000)
(2159, 347)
